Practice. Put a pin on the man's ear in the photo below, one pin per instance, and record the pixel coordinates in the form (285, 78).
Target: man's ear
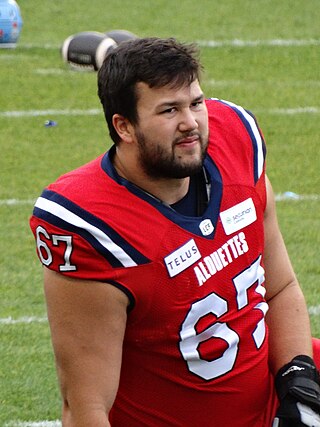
(123, 127)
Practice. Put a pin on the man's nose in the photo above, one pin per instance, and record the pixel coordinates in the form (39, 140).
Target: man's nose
(187, 121)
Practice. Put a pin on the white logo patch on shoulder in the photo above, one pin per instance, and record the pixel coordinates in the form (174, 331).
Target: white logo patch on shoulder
(182, 258)
(239, 216)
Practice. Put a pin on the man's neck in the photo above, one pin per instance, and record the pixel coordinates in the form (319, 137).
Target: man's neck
(168, 190)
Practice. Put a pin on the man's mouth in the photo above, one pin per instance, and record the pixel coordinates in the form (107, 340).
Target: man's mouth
(188, 140)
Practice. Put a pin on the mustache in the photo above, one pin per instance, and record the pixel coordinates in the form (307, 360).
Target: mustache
(187, 135)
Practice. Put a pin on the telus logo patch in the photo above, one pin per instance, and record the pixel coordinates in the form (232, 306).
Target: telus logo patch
(182, 258)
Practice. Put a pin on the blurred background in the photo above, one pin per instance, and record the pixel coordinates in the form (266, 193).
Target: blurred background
(263, 55)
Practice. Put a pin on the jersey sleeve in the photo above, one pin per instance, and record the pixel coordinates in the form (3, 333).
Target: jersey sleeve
(72, 241)
(65, 252)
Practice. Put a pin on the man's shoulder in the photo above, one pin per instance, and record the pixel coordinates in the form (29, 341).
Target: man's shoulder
(82, 172)
(235, 139)
(223, 108)
(80, 181)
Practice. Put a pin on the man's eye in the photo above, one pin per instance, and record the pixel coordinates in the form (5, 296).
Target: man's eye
(169, 110)
(197, 103)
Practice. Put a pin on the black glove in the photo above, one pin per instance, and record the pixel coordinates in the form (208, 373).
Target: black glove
(297, 386)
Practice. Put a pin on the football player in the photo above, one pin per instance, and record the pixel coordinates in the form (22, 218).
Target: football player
(171, 297)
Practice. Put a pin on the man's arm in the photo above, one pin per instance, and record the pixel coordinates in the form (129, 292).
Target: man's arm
(87, 321)
(287, 318)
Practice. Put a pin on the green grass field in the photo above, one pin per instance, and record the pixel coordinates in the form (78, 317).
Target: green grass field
(261, 54)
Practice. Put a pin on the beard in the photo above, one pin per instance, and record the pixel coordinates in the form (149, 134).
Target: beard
(157, 162)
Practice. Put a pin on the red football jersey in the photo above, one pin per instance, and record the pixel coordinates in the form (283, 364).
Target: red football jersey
(196, 345)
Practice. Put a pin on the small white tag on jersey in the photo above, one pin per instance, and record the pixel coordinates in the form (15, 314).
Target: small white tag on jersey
(206, 227)
(182, 258)
(239, 216)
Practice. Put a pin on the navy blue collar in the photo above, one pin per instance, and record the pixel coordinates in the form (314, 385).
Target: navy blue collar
(190, 223)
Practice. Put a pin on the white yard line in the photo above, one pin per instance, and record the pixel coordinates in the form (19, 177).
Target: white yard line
(15, 202)
(35, 113)
(313, 310)
(292, 111)
(23, 320)
(257, 43)
(209, 43)
(256, 83)
(33, 424)
(38, 46)
(60, 71)
(290, 196)
(52, 71)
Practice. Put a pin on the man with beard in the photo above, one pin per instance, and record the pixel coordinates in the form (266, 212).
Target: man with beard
(171, 298)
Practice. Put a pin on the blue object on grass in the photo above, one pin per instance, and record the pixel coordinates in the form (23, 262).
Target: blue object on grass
(50, 123)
